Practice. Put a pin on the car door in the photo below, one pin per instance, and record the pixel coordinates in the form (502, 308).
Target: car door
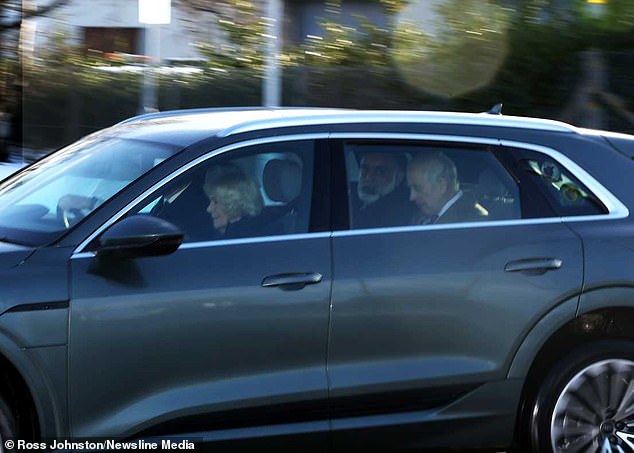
(426, 316)
(226, 334)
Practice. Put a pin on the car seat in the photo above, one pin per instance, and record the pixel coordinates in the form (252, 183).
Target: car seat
(282, 180)
(496, 197)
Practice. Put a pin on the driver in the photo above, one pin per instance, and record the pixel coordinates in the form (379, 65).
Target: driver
(78, 202)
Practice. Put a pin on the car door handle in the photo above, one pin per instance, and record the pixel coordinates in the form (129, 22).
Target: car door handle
(534, 266)
(292, 281)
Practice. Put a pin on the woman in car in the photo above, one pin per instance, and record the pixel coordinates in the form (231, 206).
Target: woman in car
(235, 202)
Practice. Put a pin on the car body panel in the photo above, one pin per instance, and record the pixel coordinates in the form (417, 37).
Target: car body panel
(609, 270)
(200, 328)
(546, 327)
(34, 330)
(484, 417)
(399, 302)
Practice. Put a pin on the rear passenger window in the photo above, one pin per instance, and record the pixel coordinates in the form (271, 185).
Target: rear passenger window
(262, 190)
(405, 183)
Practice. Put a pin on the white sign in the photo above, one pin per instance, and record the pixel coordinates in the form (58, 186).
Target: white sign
(155, 12)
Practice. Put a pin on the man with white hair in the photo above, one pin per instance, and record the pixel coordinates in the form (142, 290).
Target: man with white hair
(381, 196)
(434, 188)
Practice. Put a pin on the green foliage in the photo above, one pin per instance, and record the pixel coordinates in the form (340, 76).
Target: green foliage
(363, 44)
(244, 32)
(612, 15)
(477, 53)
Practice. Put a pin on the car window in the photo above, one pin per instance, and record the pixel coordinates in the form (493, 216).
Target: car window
(262, 190)
(52, 195)
(565, 194)
(400, 183)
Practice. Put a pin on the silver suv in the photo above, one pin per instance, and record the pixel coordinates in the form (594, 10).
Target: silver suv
(322, 280)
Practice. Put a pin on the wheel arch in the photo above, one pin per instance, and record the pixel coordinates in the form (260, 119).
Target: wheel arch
(591, 322)
(15, 392)
(27, 392)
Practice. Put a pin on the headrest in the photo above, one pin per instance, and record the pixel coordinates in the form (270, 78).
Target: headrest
(489, 184)
(282, 180)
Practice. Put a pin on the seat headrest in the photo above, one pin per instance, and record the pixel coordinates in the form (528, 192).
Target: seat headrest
(282, 180)
(489, 184)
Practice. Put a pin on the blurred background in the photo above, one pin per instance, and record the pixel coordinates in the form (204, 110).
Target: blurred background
(70, 67)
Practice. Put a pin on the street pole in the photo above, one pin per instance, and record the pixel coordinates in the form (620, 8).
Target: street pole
(153, 14)
(148, 102)
(272, 83)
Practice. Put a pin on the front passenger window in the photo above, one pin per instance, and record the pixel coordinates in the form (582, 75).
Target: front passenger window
(263, 190)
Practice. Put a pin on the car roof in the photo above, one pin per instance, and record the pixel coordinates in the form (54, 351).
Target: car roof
(183, 127)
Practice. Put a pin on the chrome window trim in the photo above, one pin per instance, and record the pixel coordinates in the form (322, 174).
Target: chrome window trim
(387, 116)
(239, 241)
(414, 136)
(257, 239)
(448, 226)
(166, 180)
(617, 210)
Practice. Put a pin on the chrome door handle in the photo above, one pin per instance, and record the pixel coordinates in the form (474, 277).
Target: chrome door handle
(292, 281)
(534, 266)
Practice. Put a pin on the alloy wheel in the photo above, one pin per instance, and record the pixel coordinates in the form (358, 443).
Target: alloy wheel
(595, 410)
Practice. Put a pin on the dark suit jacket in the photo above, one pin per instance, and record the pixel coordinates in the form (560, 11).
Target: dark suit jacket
(263, 224)
(393, 209)
(189, 212)
(465, 209)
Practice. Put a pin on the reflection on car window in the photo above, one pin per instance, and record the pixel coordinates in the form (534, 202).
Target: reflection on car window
(399, 184)
(565, 193)
(263, 190)
(52, 195)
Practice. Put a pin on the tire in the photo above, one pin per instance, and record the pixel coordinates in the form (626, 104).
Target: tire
(586, 402)
(7, 425)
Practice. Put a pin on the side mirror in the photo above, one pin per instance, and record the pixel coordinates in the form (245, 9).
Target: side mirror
(139, 236)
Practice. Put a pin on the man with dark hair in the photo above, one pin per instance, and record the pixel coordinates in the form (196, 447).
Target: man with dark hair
(381, 196)
(434, 188)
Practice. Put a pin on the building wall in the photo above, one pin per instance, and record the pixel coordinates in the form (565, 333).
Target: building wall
(177, 40)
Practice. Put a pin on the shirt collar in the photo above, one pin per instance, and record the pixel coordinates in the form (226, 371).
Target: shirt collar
(450, 203)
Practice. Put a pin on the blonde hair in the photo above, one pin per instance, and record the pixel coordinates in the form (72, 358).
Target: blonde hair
(229, 186)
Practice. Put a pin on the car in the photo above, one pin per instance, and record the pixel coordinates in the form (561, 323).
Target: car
(8, 168)
(302, 278)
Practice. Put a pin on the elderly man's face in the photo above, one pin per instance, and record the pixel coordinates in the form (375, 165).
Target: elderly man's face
(379, 175)
(428, 192)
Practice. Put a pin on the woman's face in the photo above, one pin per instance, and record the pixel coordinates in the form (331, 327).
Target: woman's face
(218, 215)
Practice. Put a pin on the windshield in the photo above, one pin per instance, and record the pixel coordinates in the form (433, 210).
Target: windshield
(51, 196)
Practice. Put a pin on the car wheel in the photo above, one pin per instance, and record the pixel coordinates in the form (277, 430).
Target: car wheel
(7, 425)
(586, 403)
